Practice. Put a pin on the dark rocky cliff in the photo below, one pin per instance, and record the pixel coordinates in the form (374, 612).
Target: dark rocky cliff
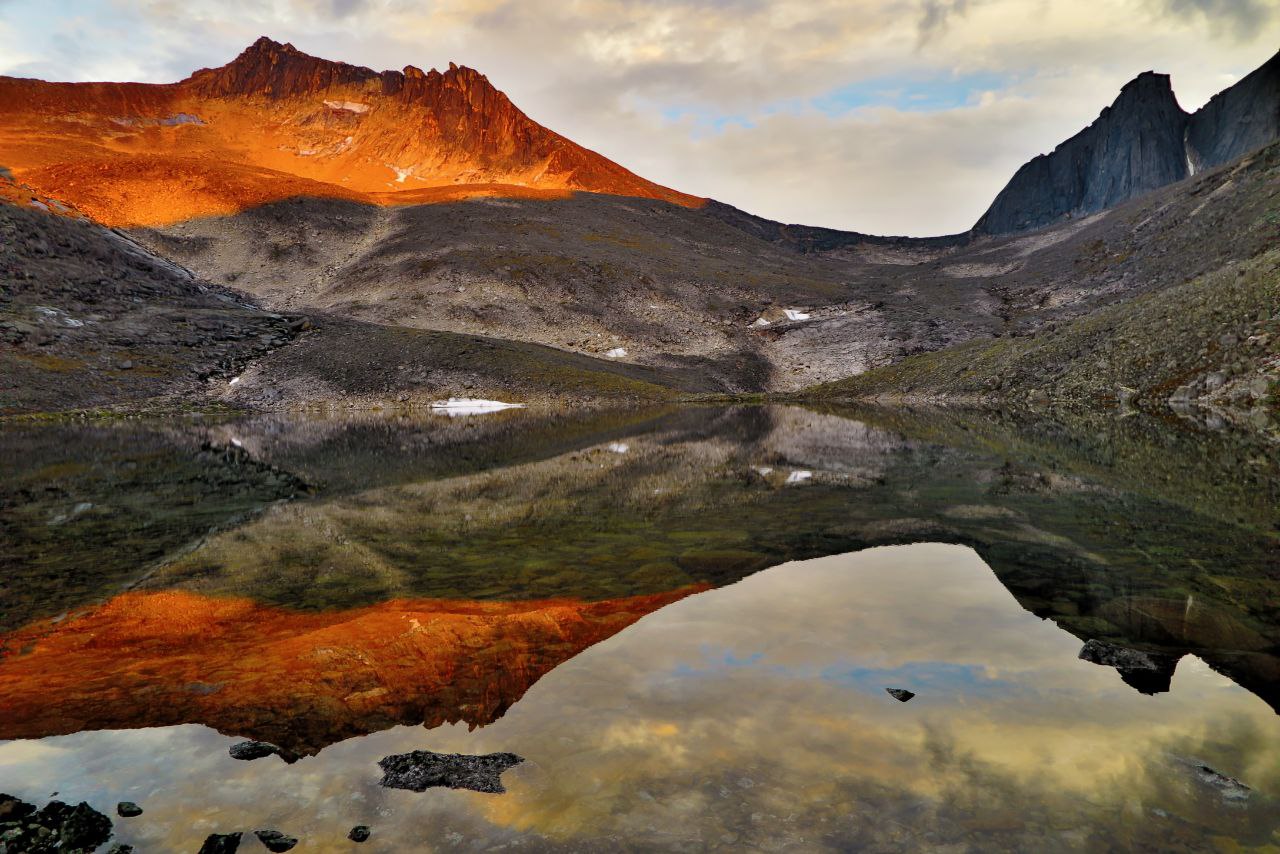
(1237, 120)
(1140, 143)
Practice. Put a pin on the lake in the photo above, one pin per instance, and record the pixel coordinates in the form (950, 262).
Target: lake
(674, 629)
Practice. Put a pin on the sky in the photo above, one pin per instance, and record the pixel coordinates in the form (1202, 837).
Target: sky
(881, 116)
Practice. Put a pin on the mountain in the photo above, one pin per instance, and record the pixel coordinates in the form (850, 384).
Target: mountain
(1142, 142)
(344, 285)
(275, 123)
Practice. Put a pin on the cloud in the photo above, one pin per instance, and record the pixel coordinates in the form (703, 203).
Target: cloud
(935, 16)
(1240, 18)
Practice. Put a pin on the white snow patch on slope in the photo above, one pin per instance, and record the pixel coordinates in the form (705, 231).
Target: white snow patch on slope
(349, 106)
(619, 447)
(760, 321)
(799, 476)
(456, 406)
(795, 314)
(616, 353)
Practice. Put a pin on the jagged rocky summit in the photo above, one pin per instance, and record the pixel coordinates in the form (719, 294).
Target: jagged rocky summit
(1142, 142)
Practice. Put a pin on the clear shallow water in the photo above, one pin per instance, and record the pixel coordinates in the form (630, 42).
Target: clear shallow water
(687, 643)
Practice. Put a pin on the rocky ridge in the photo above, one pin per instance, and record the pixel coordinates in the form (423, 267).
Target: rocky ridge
(276, 122)
(1142, 142)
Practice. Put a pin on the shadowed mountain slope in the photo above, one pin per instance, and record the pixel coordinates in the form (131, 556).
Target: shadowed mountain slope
(89, 318)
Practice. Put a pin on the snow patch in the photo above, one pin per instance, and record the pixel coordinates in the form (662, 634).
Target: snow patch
(799, 476)
(456, 406)
(235, 380)
(401, 174)
(619, 447)
(795, 314)
(347, 106)
(760, 321)
(616, 353)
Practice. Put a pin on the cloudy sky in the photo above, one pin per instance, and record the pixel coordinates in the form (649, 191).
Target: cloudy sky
(885, 116)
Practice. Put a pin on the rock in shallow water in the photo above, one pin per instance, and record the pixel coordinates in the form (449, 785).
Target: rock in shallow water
(128, 809)
(275, 841)
(221, 843)
(250, 750)
(1148, 672)
(55, 827)
(359, 833)
(422, 770)
(900, 694)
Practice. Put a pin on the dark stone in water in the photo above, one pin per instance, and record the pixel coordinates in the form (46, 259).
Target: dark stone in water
(120, 848)
(275, 840)
(221, 843)
(56, 827)
(1148, 672)
(359, 833)
(422, 770)
(128, 809)
(13, 809)
(250, 750)
(900, 694)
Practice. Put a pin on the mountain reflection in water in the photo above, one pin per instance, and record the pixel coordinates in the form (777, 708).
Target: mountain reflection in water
(316, 580)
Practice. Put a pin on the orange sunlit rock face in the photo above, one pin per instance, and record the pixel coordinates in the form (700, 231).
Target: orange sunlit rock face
(299, 680)
(276, 123)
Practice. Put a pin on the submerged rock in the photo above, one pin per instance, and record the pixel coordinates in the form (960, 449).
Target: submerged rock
(359, 833)
(1231, 790)
(221, 843)
(56, 827)
(1148, 672)
(275, 841)
(900, 694)
(422, 770)
(128, 809)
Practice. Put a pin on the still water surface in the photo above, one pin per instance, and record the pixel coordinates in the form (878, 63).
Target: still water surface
(684, 623)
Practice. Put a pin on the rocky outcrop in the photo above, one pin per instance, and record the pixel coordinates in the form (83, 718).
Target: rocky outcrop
(1142, 142)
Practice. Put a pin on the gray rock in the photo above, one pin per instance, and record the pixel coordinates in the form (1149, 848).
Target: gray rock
(128, 809)
(422, 770)
(902, 695)
(1148, 672)
(250, 750)
(359, 833)
(275, 841)
(221, 843)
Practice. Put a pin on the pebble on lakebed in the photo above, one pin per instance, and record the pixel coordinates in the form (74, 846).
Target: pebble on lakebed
(900, 694)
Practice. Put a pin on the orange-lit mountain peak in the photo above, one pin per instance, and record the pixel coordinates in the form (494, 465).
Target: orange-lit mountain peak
(276, 122)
